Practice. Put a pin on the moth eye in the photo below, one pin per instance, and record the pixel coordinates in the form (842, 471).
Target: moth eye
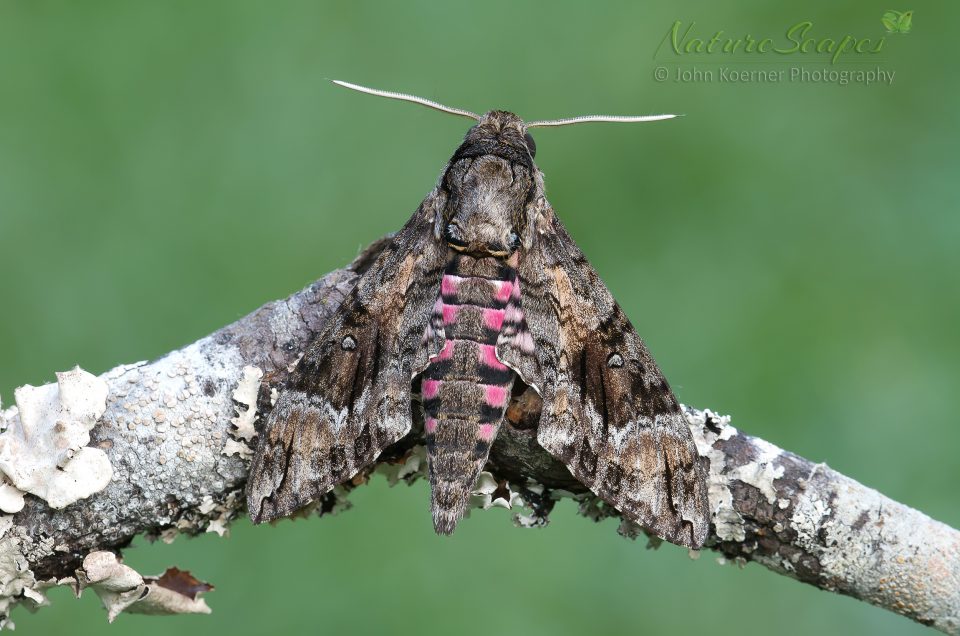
(513, 240)
(349, 344)
(531, 145)
(615, 361)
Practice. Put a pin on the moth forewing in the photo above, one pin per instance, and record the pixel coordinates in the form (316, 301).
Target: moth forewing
(348, 398)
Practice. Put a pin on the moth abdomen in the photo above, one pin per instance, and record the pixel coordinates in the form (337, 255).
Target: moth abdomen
(465, 388)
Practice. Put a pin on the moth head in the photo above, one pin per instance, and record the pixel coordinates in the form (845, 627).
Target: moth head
(489, 184)
(492, 192)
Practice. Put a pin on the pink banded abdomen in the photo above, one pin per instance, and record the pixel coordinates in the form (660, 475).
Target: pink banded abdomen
(466, 382)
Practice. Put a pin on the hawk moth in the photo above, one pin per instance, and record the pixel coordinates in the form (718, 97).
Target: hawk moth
(482, 288)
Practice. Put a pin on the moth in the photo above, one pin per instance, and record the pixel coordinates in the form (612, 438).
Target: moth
(481, 289)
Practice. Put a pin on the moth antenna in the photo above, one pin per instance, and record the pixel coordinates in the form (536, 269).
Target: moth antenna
(583, 119)
(408, 98)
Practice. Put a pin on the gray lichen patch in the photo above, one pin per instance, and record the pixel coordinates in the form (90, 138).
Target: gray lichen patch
(16, 579)
(169, 424)
(874, 548)
(163, 427)
(708, 428)
(810, 522)
(18, 582)
(44, 451)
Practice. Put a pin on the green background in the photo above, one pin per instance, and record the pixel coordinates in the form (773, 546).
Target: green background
(789, 252)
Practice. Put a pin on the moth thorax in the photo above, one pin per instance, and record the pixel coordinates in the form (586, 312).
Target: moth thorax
(485, 210)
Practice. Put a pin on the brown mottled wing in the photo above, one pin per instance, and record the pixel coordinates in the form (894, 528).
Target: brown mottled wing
(608, 413)
(349, 396)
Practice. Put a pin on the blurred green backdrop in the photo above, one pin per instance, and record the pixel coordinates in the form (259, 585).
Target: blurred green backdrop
(788, 251)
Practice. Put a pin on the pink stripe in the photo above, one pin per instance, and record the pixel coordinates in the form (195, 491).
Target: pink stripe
(429, 388)
(450, 314)
(488, 356)
(448, 286)
(493, 318)
(487, 431)
(513, 314)
(504, 290)
(516, 291)
(430, 424)
(447, 351)
(496, 395)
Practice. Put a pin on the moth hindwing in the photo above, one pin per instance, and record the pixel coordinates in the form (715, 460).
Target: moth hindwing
(482, 288)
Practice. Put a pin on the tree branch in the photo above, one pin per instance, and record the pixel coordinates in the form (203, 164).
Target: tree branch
(177, 433)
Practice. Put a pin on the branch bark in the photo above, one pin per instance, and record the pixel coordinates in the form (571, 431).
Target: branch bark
(177, 433)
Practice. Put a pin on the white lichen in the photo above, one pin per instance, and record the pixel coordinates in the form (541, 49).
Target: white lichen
(489, 493)
(529, 520)
(44, 451)
(11, 497)
(225, 513)
(411, 467)
(806, 519)
(726, 519)
(234, 447)
(761, 472)
(246, 394)
(245, 397)
(531, 516)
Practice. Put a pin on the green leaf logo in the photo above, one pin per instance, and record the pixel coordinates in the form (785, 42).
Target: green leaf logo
(897, 21)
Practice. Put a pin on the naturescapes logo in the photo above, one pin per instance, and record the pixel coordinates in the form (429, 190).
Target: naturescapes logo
(897, 21)
(802, 39)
